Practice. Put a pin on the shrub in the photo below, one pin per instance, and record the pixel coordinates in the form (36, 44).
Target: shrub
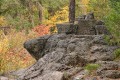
(2, 21)
(12, 54)
(113, 25)
(42, 30)
(92, 67)
(117, 53)
(59, 17)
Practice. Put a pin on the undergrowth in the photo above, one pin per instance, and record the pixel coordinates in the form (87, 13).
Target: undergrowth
(12, 54)
(117, 54)
(91, 68)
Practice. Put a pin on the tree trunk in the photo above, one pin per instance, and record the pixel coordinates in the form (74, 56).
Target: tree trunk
(31, 19)
(40, 12)
(72, 11)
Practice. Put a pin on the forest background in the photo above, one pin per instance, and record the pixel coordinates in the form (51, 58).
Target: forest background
(21, 20)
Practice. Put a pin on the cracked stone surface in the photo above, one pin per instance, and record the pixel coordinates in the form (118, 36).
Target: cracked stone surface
(63, 57)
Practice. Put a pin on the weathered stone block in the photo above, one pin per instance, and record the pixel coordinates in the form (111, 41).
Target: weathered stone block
(85, 27)
(68, 28)
(101, 29)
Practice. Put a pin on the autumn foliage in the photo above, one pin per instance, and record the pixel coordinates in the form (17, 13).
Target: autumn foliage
(42, 29)
(12, 53)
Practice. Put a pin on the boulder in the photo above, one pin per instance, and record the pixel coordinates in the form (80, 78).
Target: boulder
(36, 46)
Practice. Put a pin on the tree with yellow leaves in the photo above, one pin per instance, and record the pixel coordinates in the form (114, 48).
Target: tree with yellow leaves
(2, 21)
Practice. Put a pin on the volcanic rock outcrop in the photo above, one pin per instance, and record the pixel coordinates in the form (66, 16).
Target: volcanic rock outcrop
(63, 57)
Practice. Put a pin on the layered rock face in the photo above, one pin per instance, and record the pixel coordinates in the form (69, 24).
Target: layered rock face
(63, 57)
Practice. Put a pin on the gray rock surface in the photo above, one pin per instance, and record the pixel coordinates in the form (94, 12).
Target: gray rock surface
(5, 78)
(90, 16)
(36, 46)
(101, 29)
(84, 25)
(68, 28)
(100, 22)
(62, 57)
(109, 69)
(51, 76)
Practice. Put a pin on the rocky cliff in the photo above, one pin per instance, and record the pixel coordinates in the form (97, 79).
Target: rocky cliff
(64, 57)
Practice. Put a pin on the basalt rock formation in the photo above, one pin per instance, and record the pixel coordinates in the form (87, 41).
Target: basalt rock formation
(64, 56)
